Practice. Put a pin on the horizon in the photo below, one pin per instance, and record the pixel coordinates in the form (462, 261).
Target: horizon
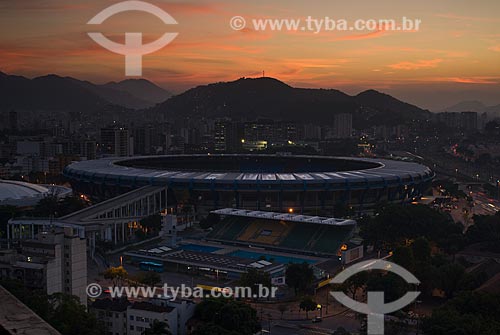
(266, 77)
(450, 59)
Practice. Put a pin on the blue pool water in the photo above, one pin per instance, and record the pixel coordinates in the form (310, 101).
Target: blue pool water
(279, 259)
(199, 248)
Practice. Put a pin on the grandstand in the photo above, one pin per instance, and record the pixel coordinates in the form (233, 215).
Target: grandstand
(278, 231)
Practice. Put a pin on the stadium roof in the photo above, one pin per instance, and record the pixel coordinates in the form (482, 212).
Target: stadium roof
(285, 217)
(120, 171)
(17, 190)
(18, 193)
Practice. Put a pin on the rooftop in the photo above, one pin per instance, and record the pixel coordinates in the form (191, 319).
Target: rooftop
(285, 217)
(17, 318)
(18, 193)
(115, 305)
(11, 192)
(159, 170)
(147, 306)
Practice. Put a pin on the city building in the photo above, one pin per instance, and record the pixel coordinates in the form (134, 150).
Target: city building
(112, 313)
(259, 131)
(54, 260)
(116, 142)
(227, 136)
(13, 121)
(122, 317)
(469, 121)
(466, 121)
(342, 125)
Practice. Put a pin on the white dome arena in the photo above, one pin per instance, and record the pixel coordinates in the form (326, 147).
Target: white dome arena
(17, 193)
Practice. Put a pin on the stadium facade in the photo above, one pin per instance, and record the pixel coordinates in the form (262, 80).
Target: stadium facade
(302, 184)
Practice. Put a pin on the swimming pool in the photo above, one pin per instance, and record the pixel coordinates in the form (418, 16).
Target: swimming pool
(276, 258)
(198, 247)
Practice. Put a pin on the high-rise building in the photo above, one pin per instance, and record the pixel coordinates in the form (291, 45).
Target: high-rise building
(55, 261)
(260, 130)
(116, 142)
(220, 134)
(342, 125)
(13, 121)
(227, 136)
(312, 132)
(469, 121)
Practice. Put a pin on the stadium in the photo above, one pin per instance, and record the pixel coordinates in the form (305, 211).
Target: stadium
(263, 240)
(301, 184)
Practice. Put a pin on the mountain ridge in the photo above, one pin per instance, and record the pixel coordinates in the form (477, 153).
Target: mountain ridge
(250, 98)
(54, 92)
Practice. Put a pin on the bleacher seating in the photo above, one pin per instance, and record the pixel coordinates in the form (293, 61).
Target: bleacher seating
(308, 237)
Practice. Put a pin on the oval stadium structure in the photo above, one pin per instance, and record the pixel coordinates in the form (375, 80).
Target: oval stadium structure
(305, 184)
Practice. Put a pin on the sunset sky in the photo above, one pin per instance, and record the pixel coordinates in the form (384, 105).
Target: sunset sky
(454, 56)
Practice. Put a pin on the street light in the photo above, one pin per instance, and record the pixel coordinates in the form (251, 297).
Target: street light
(320, 308)
(498, 189)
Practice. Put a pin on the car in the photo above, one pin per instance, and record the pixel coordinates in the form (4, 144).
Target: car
(317, 319)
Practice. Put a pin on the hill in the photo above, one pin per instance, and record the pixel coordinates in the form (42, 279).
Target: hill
(248, 99)
(140, 89)
(53, 92)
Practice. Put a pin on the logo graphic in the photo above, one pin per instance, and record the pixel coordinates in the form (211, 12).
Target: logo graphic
(133, 49)
(375, 307)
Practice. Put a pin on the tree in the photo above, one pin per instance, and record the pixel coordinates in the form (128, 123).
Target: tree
(68, 205)
(226, 316)
(211, 220)
(354, 283)
(157, 328)
(299, 276)
(149, 278)
(47, 207)
(393, 286)
(282, 308)
(421, 250)
(212, 329)
(186, 210)
(52, 206)
(6, 213)
(403, 256)
(486, 229)
(450, 276)
(395, 224)
(116, 274)
(342, 210)
(307, 304)
(67, 315)
(152, 223)
(253, 278)
(470, 313)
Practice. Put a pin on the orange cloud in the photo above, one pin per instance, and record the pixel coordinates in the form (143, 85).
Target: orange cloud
(495, 48)
(475, 80)
(30, 5)
(373, 34)
(192, 8)
(467, 18)
(421, 64)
